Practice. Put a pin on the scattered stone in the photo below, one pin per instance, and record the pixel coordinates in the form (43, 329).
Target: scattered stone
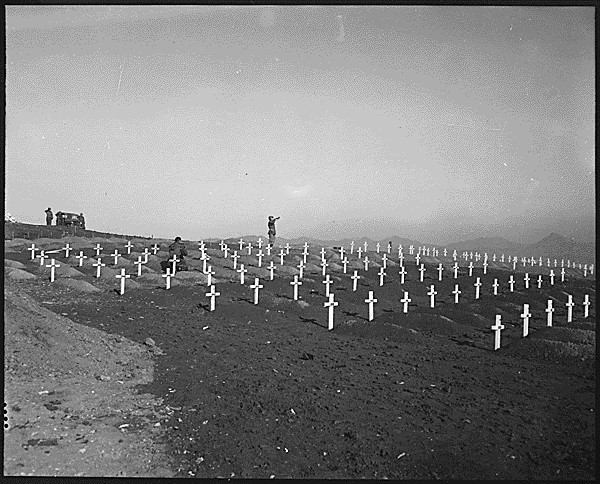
(150, 342)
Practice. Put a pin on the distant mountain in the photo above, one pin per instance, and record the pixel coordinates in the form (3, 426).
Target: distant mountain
(556, 246)
(488, 244)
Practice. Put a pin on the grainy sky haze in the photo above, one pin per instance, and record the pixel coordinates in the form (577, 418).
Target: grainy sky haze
(436, 123)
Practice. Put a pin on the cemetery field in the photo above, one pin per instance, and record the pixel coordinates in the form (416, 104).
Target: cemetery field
(260, 390)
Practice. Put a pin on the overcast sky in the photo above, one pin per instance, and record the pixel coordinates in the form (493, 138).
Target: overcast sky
(437, 123)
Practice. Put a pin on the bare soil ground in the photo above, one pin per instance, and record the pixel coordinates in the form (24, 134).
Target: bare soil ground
(256, 391)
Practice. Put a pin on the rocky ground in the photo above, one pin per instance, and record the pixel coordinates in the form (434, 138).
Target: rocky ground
(153, 383)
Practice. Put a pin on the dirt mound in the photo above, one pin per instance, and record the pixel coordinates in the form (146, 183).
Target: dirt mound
(378, 330)
(158, 280)
(555, 351)
(20, 275)
(426, 322)
(79, 285)
(566, 335)
(13, 264)
(17, 243)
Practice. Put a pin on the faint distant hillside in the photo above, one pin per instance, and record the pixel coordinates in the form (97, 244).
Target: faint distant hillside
(488, 244)
(559, 247)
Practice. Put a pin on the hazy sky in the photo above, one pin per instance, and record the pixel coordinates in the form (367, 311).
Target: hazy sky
(438, 123)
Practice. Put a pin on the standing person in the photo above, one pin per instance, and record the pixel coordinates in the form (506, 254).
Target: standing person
(49, 216)
(272, 233)
(59, 218)
(178, 249)
(81, 219)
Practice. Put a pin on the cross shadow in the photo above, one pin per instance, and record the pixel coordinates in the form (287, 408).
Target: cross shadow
(313, 321)
(349, 313)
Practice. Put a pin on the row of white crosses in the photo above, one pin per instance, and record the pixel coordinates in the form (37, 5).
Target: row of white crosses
(498, 326)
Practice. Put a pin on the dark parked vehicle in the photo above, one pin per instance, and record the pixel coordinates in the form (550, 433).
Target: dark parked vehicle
(68, 219)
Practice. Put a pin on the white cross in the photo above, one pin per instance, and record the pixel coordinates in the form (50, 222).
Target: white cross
(235, 257)
(418, 259)
(389, 249)
(555, 262)
(525, 316)
(359, 252)
(562, 275)
(260, 243)
(209, 273)
(355, 279)
(242, 271)
(502, 258)
(204, 258)
(384, 261)
(341, 252)
(511, 281)
(445, 252)
(330, 304)
(304, 256)
(455, 270)
(53, 265)
(42, 257)
(287, 249)
(139, 264)
(256, 286)
(226, 250)
(477, 257)
(352, 247)
(456, 292)
(129, 246)
(586, 304)
(212, 295)
(123, 277)
(366, 262)
(269, 249)
(305, 246)
(296, 283)
(477, 286)
(382, 274)
(592, 269)
(80, 257)
(523, 261)
(551, 277)
(497, 328)
(411, 249)
(260, 256)
(67, 249)
(405, 300)
(422, 271)
(526, 280)
(324, 266)
(470, 269)
(539, 281)
(378, 246)
(221, 244)
(327, 282)
(345, 262)
(401, 259)
(174, 261)
(495, 286)
(585, 271)
(97, 249)
(201, 246)
(281, 254)
(402, 274)
(432, 292)
(550, 310)
(485, 266)
(32, 249)
(569, 264)
(322, 252)
(116, 255)
(155, 248)
(400, 250)
(365, 245)
(515, 264)
(249, 248)
(167, 277)
(562, 262)
(440, 269)
(494, 258)
(146, 254)
(98, 265)
(241, 244)
(471, 257)
(370, 301)
(570, 305)
(541, 262)
(271, 268)
(300, 267)
(454, 254)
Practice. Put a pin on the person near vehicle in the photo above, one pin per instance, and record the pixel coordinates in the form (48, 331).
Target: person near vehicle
(59, 218)
(49, 216)
(177, 249)
(272, 233)
(81, 219)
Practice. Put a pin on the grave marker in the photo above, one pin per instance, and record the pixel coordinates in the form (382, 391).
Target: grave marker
(401, 260)
(32, 249)
(405, 300)
(212, 295)
(249, 249)
(80, 257)
(300, 267)
(485, 266)
(256, 286)
(123, 276)
(67, 249)
(422, 271)
(167, 277)
(365, 246)
(366, 262)
(53, 265)
(352, 247)
(116, 255)
(268, 249)
(494, 258)
(377, 248)
(287, 249)
(440, 269)
(330, 304)
(502, 258)
(260, 242)
(539, 281)
(585, 269)
(242, 271)
(322, 253)
(174, 260)
(296, 283)
(570, 305)
(514, 264)
(226, 250)
(586, 306)
(526, 280)
(389, 248)
(549, 310)
(562, 275)
(455, 270)
(260, 256)
(146, 254)
(381, 275)
(355, 279)
(445, 252)
(139, 265)
(456, 293)
(551, 277)
(525, 317)
(417, 259)
(410, 250)
(370, 301)
(271, 269)
(471, 269)
(327, 282)
(98, 265)
(511, 281)
(129, 246)
(497, 328)
(359, 252)
(241, 244)
(209, 273)
(341, 252)
(384, 261)
(345, 263)
(324, 266)
(42, 257)
(432, 292)
(235, 257)
(98, 249)
(495, 286)
(477, 286)
(402, 274)
(155, 248)
(281, 254)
